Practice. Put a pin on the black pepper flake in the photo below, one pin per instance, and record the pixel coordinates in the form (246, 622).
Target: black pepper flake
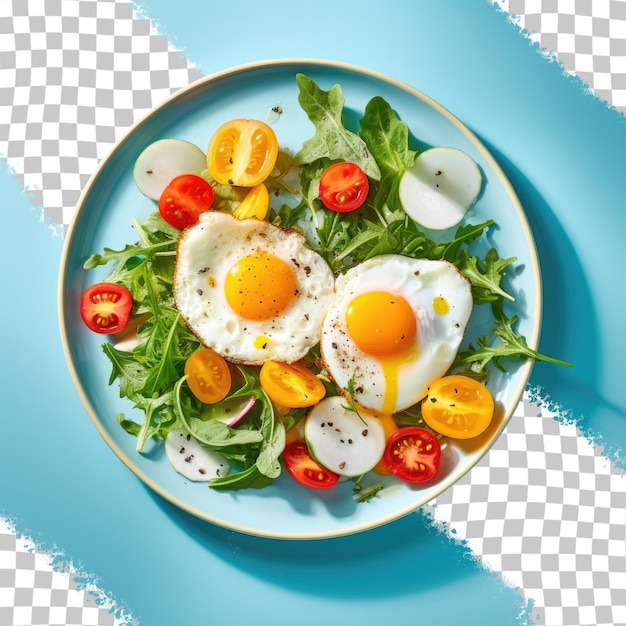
(365, 432)
(341, 465)
(199, 292)
(433, 400)
(307, 270)
(202, 471)
(189, 459)
(230, 181)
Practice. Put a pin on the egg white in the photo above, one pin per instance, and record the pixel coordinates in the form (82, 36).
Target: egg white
(207, 251)
(437, 340)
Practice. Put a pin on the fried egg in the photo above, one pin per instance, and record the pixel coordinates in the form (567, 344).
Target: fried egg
(395, 326)
(250, 290)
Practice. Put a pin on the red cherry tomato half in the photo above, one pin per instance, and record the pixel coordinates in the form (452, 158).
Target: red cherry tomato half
(343, 187)
(303, 468)
(413, 454)
(105, 307)
(184, 199)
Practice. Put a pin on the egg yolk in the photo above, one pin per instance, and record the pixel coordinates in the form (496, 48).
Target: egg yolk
(384, 326)
(260, 286)
(380, 323)
(440, 305)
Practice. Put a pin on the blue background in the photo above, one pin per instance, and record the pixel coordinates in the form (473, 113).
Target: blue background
(563, 151)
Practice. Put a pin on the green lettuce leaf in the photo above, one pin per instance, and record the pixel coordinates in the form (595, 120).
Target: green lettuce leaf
(386, 137)
(332, 139)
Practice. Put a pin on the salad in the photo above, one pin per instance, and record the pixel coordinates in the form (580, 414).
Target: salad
(305, 312)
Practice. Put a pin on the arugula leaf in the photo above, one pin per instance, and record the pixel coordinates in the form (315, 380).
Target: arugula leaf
(156, 238)
(331, 139)
(368, 492)
(510, 344)
(132, 428)
(164, 372)
(401, 237)
(155, 229)
(485, 275)
(131, 373)
(465, 235)
(159, 418)
(119, 257)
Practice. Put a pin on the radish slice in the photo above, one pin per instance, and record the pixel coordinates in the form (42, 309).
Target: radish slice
(343, 441)
(236, 409)
(191, 459)
(439, 189)
(229, 411)
(164, 160)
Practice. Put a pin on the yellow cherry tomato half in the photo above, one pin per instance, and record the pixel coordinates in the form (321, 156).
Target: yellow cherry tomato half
(458, 406)
(242, 152)
(291, 385)
(255, 204)
(209, 376)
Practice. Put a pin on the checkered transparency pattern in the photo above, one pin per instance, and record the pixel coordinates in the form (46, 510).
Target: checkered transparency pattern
(74, 75)
(547, 512)
(33, 592)
(588, 38)
(543, 509)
